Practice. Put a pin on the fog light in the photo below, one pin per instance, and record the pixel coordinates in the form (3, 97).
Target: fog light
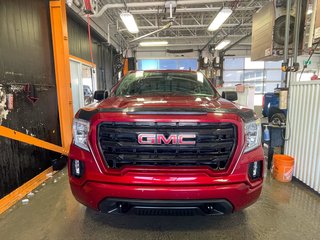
(77, 168)
(255, 170)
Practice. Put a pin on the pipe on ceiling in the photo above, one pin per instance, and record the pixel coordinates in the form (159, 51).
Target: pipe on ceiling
(153, 4)
(151, 33)
(188, 10)
(236, 43)
(231, 32)
(189, 26)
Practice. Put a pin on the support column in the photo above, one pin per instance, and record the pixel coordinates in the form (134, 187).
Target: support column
(62, 69)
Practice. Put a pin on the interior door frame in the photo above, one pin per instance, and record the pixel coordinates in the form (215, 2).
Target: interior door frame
(94, 78)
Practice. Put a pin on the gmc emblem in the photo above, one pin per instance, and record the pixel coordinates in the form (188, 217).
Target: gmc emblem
(177, 139)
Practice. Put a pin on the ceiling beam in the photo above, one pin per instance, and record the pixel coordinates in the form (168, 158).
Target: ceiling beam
(232, 31)
(188, 37)
(236, 42)
(154, 4)
(188, 26)
(190, 10)
(197, 45)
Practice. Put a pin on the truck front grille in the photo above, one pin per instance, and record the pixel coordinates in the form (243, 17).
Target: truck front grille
(214, 145)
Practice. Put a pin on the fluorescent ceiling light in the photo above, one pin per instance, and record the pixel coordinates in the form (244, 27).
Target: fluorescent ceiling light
(220, 19)
(153, 44)
(222, 45)
(128, 20)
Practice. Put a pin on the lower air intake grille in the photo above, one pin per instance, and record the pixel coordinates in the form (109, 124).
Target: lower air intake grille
(166, 212)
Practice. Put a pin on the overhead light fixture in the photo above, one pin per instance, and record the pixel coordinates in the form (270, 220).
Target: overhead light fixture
(220, 19)
(222, 44)
(128, 20)
(153, 44)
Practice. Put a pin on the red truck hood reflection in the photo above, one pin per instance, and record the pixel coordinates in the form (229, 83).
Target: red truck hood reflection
(167, 101)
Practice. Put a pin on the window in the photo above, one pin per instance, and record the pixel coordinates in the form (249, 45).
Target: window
(273, 65)
(234, 63)
(265, 76)
(273, 76)
(248, 64)
(254, 78)
(170, 82)
(271, 86)
(166, 64)
(148, 64)
(233, 76)
(186, 64)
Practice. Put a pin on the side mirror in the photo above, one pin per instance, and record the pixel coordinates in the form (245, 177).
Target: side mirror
(230, 95)
(100, 95)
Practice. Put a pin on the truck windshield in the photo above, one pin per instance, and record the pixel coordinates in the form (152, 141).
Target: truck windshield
(168, 83)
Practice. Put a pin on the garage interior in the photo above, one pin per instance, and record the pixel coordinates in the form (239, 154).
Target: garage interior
(54, 55)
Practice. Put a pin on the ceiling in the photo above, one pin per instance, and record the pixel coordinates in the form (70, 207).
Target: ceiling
(191, 20)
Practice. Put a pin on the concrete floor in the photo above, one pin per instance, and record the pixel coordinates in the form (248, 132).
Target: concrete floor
(284, 211)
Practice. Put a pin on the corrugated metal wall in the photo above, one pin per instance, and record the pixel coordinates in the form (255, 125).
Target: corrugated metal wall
(102, 52)
(26, 58)
(304, 143)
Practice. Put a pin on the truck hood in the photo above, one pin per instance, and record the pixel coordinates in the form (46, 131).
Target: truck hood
(166, 105)
(155, 102)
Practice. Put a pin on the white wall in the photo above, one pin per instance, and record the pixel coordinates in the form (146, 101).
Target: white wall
(304, 125)
(303, 131)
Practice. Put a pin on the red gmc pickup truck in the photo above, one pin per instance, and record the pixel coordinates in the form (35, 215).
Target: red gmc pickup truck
(165, 142)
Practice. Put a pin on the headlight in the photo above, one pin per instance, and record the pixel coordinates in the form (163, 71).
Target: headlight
(253, 135)
(80, 133)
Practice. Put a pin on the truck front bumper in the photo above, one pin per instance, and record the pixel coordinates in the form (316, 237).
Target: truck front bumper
(157, 187)
(106, 197)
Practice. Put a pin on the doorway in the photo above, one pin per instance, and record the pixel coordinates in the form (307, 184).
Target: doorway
(83, 83)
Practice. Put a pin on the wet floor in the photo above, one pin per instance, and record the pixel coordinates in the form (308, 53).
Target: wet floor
(284, 211)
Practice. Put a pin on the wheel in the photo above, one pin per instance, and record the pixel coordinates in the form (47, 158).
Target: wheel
(278, 119)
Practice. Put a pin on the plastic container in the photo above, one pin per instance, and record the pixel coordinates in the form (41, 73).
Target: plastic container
(282, 167)
(266, 134)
